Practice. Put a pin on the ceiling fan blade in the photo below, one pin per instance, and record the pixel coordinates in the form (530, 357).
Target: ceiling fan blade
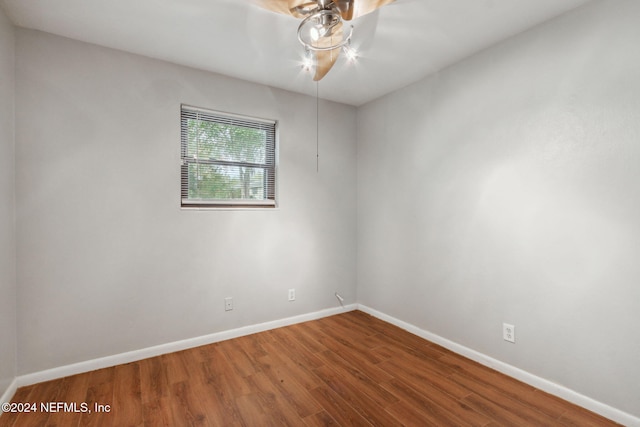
(303, 9)
(352, 9)
(324, 62)
(297, 8)
(326, 58)
(278, 6)
(346, 8)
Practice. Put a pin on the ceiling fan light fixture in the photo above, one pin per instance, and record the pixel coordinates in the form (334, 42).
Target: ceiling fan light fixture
(314, 34)
(322, 29)
(307, 61)
(350, 53)
(316, 31)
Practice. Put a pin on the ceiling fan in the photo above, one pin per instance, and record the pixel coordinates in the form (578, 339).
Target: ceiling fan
(321, 31)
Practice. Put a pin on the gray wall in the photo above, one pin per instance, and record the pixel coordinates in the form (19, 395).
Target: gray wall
(506, 188)
(7, 208)
(107, 260)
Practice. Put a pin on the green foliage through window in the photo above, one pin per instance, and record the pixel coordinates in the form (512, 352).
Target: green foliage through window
(226, 159)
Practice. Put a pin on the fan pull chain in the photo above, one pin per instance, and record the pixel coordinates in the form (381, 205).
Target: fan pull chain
(317, 129)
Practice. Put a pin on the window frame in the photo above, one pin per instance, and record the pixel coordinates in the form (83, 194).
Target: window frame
(269, 166)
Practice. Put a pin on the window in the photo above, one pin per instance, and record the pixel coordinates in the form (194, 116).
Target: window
(227, 160)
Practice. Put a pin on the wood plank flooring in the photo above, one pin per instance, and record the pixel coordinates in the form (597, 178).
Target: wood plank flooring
(345, 370)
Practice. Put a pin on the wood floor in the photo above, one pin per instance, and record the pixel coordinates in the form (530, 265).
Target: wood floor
(350, 369)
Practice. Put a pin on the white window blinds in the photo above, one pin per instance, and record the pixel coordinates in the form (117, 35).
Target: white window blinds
(227, 160)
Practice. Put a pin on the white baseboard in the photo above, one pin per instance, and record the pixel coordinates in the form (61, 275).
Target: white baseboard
(526, 377)
(133, 356)
(9, 392)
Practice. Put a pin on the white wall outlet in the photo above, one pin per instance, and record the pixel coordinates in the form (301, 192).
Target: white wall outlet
(292, 294)
(228, 304)
(509, 332)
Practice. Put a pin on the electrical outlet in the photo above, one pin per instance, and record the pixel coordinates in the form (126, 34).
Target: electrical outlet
(509, 332)
(228, 304)
(292, 294)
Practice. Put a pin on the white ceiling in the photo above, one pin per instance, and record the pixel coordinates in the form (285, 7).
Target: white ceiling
(398, 44)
